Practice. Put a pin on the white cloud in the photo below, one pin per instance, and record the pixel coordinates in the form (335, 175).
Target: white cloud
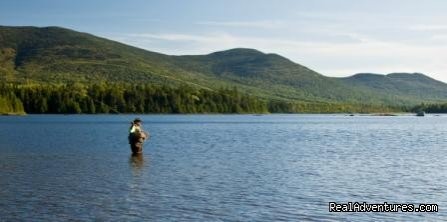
(172, 37)
(265, 24)
(429, 27)
(439, 37)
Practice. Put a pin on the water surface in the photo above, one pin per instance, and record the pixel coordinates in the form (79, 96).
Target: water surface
(220, 167)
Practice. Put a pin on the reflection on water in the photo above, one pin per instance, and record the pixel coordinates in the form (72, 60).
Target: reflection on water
(136, 161)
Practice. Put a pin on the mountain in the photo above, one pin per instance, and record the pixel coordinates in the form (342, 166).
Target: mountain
(402, 85)
(59, 55)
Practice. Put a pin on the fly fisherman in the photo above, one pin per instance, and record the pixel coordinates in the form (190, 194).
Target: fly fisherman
(137, 136)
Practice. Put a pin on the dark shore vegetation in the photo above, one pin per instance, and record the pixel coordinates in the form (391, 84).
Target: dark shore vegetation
(430, 108)
(118, 98)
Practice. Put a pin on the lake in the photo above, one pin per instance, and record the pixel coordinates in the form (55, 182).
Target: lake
(220, 167)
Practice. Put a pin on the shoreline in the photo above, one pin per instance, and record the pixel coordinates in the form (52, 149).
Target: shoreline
(253, 114)
(13, 114)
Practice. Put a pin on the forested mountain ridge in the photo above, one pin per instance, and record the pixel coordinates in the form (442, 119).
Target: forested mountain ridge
(411, 85)
(54, 55)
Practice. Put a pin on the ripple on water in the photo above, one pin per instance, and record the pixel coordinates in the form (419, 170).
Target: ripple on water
(220, 167)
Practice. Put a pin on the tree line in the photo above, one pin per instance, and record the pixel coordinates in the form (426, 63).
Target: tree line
(76, 98)
(431, 108)
(9, 103)
(125, 98)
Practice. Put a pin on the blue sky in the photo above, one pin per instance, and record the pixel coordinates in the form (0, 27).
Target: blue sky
(335, 38)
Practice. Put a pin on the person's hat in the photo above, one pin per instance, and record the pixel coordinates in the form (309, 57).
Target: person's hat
(137, 120)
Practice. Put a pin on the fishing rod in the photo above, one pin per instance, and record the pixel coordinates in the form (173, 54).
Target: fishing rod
(110, 108)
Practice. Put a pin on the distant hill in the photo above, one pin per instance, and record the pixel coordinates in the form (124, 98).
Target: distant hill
(401, 85)
(59, 55)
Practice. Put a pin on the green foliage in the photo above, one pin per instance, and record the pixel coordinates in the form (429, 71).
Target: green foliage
(127, 98)
(401, 88)
(9, 103)
(430, 108)
(290, 107)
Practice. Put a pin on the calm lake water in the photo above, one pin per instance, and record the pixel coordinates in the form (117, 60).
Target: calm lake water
(220, 167)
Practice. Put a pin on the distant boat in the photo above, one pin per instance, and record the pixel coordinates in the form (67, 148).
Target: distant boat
(420, 113)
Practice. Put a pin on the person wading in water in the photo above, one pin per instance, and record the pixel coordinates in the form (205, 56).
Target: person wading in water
(137, 136)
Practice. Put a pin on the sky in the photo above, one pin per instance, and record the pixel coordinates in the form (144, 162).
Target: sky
(332, 37)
